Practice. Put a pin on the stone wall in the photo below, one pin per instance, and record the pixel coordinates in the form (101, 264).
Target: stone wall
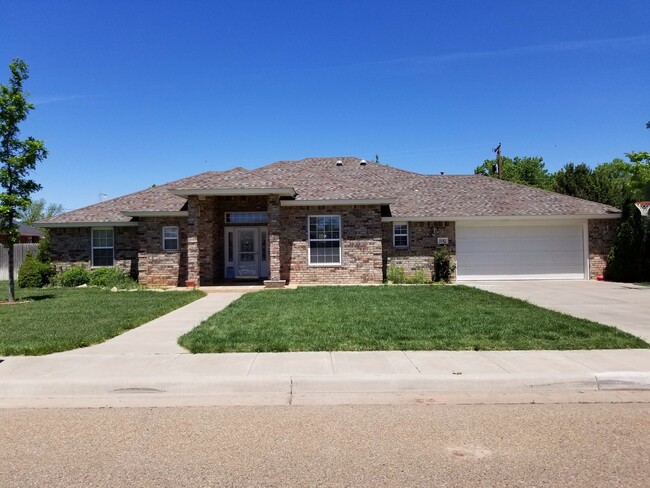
(158, 267)
(361, 246)
(601, 236)
(423, 239)
(72, 247)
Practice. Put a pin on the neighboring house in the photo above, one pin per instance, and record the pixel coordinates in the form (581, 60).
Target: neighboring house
(335, 220)
(28, 235)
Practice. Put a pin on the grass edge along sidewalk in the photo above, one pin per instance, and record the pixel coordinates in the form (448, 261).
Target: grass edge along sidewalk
(60, 319)
(362, 318)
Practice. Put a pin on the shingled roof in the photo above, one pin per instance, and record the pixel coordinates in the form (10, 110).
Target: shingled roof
(347, 179)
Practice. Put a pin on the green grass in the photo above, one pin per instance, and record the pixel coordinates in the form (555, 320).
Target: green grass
(59, 319)
(394, 318)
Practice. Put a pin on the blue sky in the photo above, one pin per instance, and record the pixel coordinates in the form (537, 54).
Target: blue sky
(129, 93)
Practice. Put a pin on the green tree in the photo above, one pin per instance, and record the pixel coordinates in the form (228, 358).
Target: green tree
(39, 210)
(582, 182)
(17, 159)
(627, 260)
(640, 175)
(525, 170)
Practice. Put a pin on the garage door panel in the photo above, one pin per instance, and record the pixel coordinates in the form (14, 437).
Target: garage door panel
(520, 252)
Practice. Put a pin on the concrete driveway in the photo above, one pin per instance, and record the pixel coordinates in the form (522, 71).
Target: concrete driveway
(621, 305)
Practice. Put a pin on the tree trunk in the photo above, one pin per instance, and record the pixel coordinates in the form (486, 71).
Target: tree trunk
(12, 285)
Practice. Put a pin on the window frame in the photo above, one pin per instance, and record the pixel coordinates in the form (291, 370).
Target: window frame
(246, 218)
(407, 235)
(177, 238)
(93, 247)
(310, 240)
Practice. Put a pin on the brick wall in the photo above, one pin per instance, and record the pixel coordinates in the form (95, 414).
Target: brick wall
(205, 231)
(361, 246)
(156, 266)
(248, 203)
(601, 236)
(423, 239)
(72, 247)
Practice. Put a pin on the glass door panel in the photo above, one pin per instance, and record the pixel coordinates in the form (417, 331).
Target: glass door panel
(247, 265)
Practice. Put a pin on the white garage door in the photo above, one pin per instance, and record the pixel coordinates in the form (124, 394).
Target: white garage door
(500, 252)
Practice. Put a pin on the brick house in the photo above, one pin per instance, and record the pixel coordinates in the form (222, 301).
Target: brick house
(335, 220)
(28, 235)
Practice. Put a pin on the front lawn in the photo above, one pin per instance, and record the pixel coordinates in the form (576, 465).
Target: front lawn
(58, 319)
(394, 318)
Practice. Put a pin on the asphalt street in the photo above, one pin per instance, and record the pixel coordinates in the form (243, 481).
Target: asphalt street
(590, 445)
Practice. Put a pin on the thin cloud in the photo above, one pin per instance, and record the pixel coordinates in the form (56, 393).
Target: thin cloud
(57, 99)
(556, 47)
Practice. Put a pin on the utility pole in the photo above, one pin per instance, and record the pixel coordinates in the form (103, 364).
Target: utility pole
(498, 151)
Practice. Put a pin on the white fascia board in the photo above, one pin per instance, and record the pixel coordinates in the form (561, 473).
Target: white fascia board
(153, 213)
(234, 192)
(324, 203)
(54, 225)
(478, 218)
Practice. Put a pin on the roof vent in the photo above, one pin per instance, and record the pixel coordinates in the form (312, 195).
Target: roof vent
(363, 162)
(339, 162)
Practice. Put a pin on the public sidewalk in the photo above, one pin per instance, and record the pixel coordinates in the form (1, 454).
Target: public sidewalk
(146, 367)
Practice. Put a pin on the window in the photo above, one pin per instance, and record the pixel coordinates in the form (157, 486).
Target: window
(401, 235)
(231, 247)
(170, 238)
(325, 239)
(247, 217)
(102, 247)
(263, 251)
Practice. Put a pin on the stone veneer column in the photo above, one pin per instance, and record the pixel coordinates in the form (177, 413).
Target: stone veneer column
(193, 266)
(274, 280)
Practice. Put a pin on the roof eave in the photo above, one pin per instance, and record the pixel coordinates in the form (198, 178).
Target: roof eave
(320, 203)
(155, 213)
(454, 218)
(54, 225)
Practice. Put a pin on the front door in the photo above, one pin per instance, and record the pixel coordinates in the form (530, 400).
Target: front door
(246, 252)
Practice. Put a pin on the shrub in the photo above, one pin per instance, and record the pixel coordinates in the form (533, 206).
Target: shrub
(395, 274)
(110, 277)
(74, 276)
(33, 273)
(419, 277)
(443, 266)
(627, 260)
(44, 253)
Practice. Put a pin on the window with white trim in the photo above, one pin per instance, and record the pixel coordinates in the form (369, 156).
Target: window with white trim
(247, 217)
(401, 234)
(170, 238)
(102, 246)
(324, 239)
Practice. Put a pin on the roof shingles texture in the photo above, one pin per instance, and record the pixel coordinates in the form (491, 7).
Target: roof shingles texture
(411, 194)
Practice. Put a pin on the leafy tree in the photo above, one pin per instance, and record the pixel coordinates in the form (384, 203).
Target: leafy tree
(583, 182)
(640, 174)
(526, 170)
(39, 210)
(17, 158)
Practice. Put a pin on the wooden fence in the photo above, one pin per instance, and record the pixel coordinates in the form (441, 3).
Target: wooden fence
(20, 251)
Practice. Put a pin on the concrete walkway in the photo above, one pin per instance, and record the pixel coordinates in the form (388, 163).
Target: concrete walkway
(146, 367)
(160, 335)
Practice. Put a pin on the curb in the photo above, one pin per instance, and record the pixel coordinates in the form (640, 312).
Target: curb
(302, 389)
